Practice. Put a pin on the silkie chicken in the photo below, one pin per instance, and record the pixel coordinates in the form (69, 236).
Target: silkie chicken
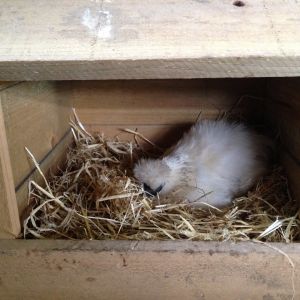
(214, 162)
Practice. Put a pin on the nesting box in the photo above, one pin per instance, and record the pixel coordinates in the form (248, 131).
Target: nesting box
(156, 67)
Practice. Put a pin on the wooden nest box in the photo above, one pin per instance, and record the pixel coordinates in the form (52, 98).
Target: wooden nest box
(150, 65)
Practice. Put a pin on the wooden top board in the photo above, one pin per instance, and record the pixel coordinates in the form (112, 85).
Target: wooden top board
(134, 270)
(133, 39)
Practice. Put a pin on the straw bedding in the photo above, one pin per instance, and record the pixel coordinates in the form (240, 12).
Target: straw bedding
(95, 196)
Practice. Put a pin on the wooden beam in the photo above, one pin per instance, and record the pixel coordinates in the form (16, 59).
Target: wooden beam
(136, 39)
(147, 270)
(9, 216)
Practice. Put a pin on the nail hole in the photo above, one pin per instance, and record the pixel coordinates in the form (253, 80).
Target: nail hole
(238, 3)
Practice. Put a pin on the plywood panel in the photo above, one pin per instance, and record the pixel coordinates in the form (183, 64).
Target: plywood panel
(146, 270)
(159, 102)
(137, 39)
(36, 116)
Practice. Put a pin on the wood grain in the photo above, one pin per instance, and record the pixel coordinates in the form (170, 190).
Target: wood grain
(9, 216)
(36, 116)
(159, 102)
(146, 270)
(137, 39)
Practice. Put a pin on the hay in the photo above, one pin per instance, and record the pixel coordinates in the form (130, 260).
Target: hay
(95, 196)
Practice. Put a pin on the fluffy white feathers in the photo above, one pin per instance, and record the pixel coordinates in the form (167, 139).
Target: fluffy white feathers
(212, 163)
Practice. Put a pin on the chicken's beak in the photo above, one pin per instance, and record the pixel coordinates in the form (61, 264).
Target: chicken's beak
(152, 193)
(148, 191)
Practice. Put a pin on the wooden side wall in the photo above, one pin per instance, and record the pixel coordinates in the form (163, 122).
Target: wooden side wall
(34, 115)
(9, 215)
(283, 114)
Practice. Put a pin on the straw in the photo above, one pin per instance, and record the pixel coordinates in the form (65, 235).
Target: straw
(96, 197)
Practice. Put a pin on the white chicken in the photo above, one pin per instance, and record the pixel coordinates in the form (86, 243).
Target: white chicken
(213, 162)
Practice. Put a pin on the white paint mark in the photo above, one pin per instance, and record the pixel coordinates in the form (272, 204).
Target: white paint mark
(99, 23)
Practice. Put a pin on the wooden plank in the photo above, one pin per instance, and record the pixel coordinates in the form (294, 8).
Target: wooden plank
(36, 116)
(106, 39)
(9, 216)
(146, 270)
(158, 102)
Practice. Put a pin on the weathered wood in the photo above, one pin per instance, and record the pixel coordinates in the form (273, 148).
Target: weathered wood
(106, 39)
(146, 270)
(36, 116)
(9, 216)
